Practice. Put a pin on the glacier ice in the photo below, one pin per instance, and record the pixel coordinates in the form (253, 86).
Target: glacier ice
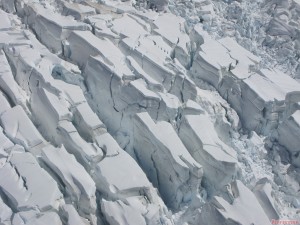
(143, 112)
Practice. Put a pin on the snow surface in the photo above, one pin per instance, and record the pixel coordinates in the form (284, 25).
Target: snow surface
(149, 112)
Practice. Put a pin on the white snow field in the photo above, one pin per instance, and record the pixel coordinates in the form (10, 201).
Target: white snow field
(149, 112)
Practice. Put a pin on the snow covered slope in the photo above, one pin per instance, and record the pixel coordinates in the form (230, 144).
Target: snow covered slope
(114, 114)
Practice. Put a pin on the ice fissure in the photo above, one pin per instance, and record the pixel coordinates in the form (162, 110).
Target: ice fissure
(114, 113)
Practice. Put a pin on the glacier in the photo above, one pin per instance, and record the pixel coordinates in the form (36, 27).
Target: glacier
(149, 112)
